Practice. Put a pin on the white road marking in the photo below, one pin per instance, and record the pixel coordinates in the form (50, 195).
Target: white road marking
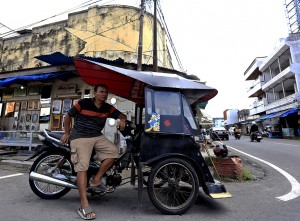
(286, 144)
(294, 193)
(17, 174)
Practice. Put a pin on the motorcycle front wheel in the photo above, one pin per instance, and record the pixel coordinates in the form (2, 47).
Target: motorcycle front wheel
(46, 164)
(180, 186)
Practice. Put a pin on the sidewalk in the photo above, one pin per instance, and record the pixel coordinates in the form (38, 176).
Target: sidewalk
(10, 159)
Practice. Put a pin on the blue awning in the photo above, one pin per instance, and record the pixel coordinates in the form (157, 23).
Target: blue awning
(289, 112)
(267, 116)
(37, 77)
(58, 58)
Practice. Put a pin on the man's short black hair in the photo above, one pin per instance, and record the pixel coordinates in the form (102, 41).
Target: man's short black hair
(100, 85)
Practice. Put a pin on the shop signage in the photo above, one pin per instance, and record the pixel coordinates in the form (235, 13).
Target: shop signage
(66, 89)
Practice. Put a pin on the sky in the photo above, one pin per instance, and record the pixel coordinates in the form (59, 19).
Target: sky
(215, 40)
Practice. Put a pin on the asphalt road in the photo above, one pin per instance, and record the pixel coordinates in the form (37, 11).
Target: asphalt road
(253, 200)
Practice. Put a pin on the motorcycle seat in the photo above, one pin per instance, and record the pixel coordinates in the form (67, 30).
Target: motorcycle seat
(56, 135)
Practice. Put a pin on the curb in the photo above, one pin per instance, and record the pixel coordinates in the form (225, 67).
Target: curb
(13, 161)
(20, 166)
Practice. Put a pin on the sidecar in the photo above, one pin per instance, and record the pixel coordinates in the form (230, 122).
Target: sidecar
(167, 128)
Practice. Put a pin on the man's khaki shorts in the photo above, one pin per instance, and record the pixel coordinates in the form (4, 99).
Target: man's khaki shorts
(81, 151)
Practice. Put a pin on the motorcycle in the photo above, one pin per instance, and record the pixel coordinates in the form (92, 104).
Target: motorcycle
(53, 166)
(161, 152)
(256, 136)
(265, 134)
(237, 135)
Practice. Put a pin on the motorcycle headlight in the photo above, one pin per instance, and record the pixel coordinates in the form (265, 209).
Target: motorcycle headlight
(41, 137)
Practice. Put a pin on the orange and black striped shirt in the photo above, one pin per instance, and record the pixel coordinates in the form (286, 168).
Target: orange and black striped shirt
(89, 120)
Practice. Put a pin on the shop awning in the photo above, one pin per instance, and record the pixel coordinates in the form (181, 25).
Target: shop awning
(289, 112)
(57, 58)
(202, 104)
(277, 114)
(266, 116)
(37, 77)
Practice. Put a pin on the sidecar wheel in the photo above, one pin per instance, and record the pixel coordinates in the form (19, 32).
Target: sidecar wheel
(180, 189)
(146, 173)
(44, 165)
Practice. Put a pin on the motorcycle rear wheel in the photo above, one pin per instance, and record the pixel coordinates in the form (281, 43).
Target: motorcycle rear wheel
(45, 164)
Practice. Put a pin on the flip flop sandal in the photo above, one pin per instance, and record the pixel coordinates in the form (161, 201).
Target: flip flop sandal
(84, 212)
(101, 188)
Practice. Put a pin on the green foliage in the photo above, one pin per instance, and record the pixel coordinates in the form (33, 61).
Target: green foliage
(246, 175)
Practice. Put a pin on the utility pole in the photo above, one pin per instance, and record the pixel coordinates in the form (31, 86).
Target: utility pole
(155, 67)
(140, 48)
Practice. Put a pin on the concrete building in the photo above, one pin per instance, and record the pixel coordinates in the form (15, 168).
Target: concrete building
(218, 122)
(232, 117)
(38, 81)
(275, 85)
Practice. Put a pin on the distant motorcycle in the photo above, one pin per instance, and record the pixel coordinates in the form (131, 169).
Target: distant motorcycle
(265, 134)
(256, 136)
(237, 135)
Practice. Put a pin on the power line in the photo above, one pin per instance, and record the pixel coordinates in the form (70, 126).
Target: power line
(10, 29)
(169, 37)
(85, 4)
(128, 21)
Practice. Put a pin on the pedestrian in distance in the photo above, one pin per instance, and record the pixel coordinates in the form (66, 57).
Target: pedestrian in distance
(90, 115)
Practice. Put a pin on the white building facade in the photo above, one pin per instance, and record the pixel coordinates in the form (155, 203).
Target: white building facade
(275, 83)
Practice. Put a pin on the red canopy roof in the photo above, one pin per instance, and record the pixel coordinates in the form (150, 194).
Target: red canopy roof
(130, 84)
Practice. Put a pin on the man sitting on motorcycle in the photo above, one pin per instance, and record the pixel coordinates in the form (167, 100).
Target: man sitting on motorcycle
(253, 128)
(236, 131)
(90, 115)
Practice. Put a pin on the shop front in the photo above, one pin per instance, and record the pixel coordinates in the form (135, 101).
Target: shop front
(290, 121)
(25, 107)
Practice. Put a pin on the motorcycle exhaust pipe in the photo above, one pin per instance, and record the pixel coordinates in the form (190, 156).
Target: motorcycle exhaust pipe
(46, 179)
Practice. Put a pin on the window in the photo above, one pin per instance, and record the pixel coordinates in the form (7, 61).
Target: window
(188, 113)
(167, 103)
(149, 102)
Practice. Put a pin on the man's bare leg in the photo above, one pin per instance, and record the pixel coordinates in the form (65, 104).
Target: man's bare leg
(81, 184)
(105, 165)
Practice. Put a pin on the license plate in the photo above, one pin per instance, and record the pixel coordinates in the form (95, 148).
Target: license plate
(258, 136)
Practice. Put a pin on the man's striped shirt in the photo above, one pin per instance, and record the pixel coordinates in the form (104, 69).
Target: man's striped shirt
(89, 120)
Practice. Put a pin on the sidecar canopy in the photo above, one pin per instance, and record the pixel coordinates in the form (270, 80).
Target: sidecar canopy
(130, 84)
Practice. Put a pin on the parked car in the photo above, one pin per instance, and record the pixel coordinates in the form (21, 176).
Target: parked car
(218, 133)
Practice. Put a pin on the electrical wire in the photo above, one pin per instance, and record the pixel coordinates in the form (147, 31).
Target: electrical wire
(82, 5)
(101, 33)
(117, 17)
(169, 37)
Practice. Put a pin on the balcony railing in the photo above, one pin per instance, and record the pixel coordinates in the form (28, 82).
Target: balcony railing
(255, 88)
(258, 107)
(257, 110)
(278, 105)
(286, 73)
(279, 48)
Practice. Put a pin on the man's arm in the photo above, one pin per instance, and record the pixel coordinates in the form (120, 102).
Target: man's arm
(122, 122)
(67, 123)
